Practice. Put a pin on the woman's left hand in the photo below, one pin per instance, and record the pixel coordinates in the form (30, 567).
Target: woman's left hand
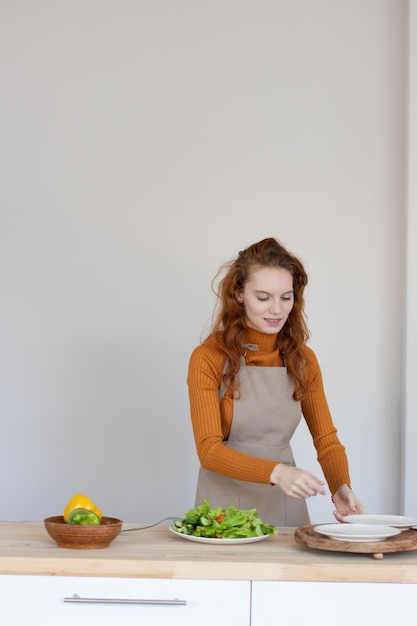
(346, 503)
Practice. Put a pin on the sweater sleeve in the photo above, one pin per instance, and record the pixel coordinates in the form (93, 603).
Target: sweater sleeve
(211, 426)
(330, 452)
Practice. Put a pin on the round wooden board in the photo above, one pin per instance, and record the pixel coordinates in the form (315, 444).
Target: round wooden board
(405, 541)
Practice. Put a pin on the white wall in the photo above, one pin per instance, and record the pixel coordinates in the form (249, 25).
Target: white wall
(143, 144)
(410, 344)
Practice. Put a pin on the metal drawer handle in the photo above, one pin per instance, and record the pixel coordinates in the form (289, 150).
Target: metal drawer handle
(76, 598)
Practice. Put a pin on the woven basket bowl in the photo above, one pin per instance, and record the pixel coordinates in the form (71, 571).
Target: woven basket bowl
(83, 537)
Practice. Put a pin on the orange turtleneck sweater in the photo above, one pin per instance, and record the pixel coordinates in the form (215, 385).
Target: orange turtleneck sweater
(212, 420)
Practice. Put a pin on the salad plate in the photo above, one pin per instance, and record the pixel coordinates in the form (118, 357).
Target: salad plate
(219, 541)
(397, 521)
(357, 532)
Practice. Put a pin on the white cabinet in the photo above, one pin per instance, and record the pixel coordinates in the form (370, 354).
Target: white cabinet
(51, 600)
(65, 600)
(327, 604)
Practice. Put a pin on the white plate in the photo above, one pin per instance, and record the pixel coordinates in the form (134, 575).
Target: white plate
(364, 533)
(398, 521)
(218, 541)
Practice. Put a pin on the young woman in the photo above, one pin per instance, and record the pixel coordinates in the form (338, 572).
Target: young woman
(249, 384)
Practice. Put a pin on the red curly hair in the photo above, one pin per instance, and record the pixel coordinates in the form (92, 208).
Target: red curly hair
(229, 320)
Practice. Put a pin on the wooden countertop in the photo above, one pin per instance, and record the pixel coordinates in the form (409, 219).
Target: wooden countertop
(26, 548)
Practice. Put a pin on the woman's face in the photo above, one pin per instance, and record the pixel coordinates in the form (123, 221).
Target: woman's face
(268, 298)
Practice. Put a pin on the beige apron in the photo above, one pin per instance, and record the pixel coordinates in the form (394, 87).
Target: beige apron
(264, 419)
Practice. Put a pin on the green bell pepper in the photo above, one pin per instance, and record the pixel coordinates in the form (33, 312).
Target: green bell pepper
(83, 516)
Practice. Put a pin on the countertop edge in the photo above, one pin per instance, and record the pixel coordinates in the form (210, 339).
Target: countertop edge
(204, 570)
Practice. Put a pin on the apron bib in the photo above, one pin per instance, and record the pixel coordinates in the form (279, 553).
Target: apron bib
(264, 420)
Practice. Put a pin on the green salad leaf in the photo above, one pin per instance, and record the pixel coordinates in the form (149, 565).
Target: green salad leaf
(227, 523)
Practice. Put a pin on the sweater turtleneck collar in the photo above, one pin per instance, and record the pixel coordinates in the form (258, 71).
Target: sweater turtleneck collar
(265, 342)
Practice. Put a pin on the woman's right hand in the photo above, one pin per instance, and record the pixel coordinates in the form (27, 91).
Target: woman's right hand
(296, 482)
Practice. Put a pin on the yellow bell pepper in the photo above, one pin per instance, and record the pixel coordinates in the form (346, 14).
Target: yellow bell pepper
(79, 501)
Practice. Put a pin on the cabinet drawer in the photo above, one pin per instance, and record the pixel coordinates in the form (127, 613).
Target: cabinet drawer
(51, 600)
(328, 603)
